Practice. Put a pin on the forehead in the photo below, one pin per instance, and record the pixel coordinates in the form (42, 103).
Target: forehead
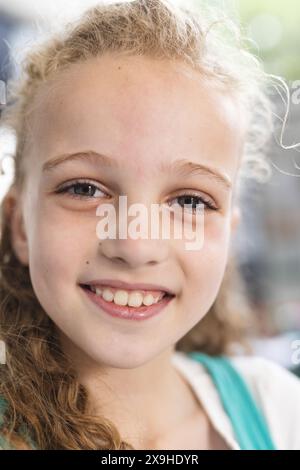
(137, 109)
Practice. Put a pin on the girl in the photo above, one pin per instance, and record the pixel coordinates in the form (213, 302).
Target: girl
(122, 343)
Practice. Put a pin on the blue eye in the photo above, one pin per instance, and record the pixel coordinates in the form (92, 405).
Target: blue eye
(195, 202)
(81, 190)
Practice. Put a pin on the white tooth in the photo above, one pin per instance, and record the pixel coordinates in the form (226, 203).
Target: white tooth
(121, 297)
(131, 298)
(135, 299)
(148, 299)
(108, 295)
(93, 288)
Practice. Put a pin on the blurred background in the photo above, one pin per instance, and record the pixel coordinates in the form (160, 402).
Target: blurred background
(267, 243)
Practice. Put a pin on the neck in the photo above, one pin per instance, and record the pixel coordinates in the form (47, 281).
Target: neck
(144, 402)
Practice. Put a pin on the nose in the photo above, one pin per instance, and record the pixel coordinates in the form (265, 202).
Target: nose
(135, 253)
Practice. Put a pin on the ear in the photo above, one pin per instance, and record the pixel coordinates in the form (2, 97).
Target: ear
(235, 218)
(13, 211)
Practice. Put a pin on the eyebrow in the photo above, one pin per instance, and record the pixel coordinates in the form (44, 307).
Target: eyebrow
(181, 167)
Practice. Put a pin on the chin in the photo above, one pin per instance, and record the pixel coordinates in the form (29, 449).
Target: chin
(122, 358)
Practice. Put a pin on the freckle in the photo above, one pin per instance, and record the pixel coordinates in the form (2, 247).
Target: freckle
(119, 68)
(87, 262)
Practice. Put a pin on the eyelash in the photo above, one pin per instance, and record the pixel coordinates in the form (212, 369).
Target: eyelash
(207, 202)
(203, 200)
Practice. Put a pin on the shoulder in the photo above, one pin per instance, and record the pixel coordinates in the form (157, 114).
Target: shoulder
(277, 393)
(265, 374)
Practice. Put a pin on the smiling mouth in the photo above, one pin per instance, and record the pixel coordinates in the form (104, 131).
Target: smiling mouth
(125, 311)
(152, 299)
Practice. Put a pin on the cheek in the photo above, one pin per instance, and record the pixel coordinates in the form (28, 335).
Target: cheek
(204, 270)
(56, 256)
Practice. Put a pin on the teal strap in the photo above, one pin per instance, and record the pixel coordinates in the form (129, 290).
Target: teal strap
(247, 420)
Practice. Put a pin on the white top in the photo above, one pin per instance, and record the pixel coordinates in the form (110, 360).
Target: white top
(275, 390)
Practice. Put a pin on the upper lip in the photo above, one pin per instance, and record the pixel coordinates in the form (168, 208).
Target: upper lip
(127, 286)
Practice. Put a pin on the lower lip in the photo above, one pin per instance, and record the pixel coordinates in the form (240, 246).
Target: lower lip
(128, 313)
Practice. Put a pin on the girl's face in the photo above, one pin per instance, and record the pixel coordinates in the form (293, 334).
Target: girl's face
(142, 115)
